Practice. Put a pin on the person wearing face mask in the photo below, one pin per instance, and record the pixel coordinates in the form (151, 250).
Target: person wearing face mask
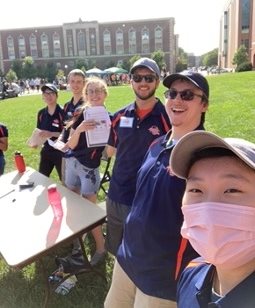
(219, 220)
(152, 253)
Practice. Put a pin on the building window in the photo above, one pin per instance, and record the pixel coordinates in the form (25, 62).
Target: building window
(69, 44)
(158, 38)
(245, 16)
(145, 41)
(10, 47)
(33, 46)
(45, 46)
(132, 41)
(22, 46)
(81, 40)
(56, 45)
(107, 42)
(92, 43)
(119, 42)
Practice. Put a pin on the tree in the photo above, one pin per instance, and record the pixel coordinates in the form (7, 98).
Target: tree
(241, 56)
(16, 66)
(210, 58)
(29, 70)
(182, 60)
(159, 57)
(11, 76)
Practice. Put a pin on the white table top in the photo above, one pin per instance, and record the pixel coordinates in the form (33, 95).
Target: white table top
(27, 226)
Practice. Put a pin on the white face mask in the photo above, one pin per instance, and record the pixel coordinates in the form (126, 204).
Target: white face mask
(223, 234)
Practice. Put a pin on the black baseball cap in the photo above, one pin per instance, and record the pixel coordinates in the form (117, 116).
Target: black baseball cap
(49, 86)
(197, 79)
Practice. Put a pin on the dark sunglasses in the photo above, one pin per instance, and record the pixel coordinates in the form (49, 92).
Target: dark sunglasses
(186, 95)
(147, 78)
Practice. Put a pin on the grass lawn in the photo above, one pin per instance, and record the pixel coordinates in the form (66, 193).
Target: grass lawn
(231, 113)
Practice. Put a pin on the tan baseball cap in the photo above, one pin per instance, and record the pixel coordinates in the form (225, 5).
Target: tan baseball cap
(196, 141)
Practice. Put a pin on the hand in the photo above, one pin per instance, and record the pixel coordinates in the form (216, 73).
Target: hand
(86, 125)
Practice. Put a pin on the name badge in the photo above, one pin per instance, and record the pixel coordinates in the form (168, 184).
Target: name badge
(126, 122)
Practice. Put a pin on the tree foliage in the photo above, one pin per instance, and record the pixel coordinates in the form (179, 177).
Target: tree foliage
(210, 58)
(241, 56)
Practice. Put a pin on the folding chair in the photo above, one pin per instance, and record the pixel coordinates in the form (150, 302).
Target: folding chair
(106, 175)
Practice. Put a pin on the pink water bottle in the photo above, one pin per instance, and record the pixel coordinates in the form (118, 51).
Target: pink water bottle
(54, 199)
(19, 162)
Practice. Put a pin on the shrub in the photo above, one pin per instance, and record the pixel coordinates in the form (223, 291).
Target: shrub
(244, 67)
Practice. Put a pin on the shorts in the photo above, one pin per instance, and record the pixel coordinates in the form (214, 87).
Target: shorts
(78, 176)
(116, 217)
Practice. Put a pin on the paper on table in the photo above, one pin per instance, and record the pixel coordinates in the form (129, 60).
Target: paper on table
(99, 135)
(58, 145)
(36, 140)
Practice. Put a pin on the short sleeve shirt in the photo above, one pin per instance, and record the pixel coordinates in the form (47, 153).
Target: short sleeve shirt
(3, 133)
(132, 136)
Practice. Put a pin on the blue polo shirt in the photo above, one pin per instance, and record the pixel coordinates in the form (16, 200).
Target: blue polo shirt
(152, 252)
(195, 290)
(3, 133)
(132, 137)
(52, 123)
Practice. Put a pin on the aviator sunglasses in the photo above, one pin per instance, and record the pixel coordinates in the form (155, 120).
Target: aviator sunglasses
(146, 78)
(186, 95)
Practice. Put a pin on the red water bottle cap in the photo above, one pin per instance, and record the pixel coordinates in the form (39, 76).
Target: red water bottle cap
(19, 162)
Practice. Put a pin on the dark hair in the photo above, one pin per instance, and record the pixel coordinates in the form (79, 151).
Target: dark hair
(209, 153)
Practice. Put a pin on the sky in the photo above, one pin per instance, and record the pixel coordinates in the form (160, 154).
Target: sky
(196, 21)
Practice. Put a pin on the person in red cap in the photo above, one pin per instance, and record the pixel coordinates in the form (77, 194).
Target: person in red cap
(219, 215)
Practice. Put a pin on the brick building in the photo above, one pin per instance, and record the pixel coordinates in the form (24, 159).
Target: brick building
(103, 44)
(237, 28)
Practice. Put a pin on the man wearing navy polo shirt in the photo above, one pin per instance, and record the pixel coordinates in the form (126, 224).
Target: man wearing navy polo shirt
(152, 253)
(134, 128)
(50, 121)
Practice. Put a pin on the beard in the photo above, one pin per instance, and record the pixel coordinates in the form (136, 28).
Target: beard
(145, 97)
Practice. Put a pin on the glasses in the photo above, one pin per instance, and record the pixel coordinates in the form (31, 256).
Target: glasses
(186, 95)
(96, 91)
(146, 78)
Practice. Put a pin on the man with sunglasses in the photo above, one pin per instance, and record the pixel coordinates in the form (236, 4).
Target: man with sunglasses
(152, 253)
(134, 128)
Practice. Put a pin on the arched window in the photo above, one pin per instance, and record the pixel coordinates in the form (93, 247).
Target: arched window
(22, 46)
(45, 46)
(56, 45)
(10, 47)
(107, 42)
(119, 42)
(145, 40)
(158, 38)
(33, 46)
(92, 42)
(132, 41)
(81, 41)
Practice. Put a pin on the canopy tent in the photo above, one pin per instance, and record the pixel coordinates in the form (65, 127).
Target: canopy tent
(115, 70)
(94, 71)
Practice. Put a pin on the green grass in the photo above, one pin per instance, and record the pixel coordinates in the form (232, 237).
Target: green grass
(231, 114)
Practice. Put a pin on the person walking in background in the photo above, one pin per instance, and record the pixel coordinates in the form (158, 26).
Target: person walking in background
(82, 165)
(3, 145)
(50, 121)
(219, 220)
(134, 128)
(152, 253)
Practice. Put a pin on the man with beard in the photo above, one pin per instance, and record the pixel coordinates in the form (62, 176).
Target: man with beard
(134, 128)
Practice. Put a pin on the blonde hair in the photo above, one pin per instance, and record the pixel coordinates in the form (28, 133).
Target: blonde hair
(100, 83)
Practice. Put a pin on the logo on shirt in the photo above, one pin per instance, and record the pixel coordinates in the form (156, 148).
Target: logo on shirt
(55, 123)
(154, 130)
